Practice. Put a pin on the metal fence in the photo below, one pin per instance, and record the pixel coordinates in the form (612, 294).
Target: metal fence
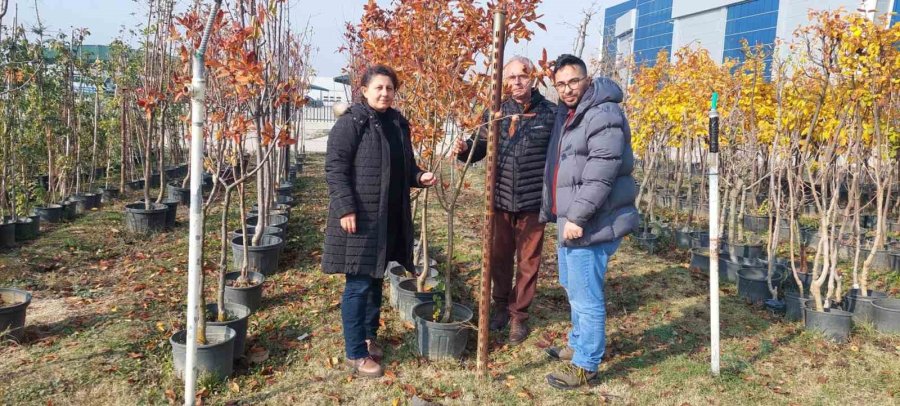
(321, 114)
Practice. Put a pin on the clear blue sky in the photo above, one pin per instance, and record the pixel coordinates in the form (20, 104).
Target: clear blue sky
(108, 19)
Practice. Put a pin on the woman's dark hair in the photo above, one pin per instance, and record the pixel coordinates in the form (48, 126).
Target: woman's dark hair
(375, 70)
(568, 60)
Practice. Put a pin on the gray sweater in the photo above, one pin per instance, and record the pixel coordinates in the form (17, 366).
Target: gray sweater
(593, 184)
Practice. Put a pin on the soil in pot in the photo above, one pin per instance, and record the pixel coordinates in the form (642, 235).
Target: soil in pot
(236, 317)
(861, 306)
(833, 323)
(408, 297)
(248, 293)
(139, 220)
(441, 340)
(886, 315)
(216, 358)
(262, 258)
(13, 305)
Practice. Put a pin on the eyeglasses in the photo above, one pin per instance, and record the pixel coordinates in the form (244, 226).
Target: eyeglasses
(571, 84)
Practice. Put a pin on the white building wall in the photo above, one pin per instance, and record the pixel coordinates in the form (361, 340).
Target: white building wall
(705, 29)
(793, 14)
(681, 8)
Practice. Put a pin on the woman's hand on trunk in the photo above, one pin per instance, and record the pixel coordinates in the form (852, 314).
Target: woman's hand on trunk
(427, 179)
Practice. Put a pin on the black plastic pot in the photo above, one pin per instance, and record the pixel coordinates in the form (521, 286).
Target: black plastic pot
(262, 258)
(746, 250)
(288, 200)
(861, 306)
(181, 194)
(883, 259)
(886, 316)
(285, 213)
(135, 185)
(81, 204)
(794, 305)
(236, 316)
(251, 230)
(27, 228)
(395, 274)
(753, 284)
(108, 194)
(92, 201)
(647, 241)
(52, 213)
(683, 239)
(139, 220)
(699, 239)
(70, 210)
(275, 220)
(700, 259)
(441, 340)
(285, 189)
(728, 269)
(408, 297)
(757, 224)
(172, 212)
(12, 313)
(216, 358)
(7, 234)
(250, 296)
(833, 323)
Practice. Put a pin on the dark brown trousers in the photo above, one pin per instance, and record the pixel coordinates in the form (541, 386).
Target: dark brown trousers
(518, 236)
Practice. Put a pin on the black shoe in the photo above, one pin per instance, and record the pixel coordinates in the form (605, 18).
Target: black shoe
(499, 320)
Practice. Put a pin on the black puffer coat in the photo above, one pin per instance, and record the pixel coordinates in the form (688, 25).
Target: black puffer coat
(358, 172)
(521, 155)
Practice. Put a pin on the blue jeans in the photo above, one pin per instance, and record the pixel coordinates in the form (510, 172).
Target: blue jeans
(582, 272)
(360, 313)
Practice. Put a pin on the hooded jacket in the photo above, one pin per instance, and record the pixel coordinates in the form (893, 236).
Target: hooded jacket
(594, 186)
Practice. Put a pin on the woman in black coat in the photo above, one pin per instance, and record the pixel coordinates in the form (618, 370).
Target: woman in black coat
(369, 167)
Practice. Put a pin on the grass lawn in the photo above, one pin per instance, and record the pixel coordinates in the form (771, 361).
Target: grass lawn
(105, 304)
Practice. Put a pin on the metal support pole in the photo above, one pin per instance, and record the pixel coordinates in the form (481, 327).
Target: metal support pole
(484, 300)
(195, 233)
(714, 236)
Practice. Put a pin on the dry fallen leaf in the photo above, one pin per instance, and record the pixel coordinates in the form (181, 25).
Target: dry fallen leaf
(234, 387)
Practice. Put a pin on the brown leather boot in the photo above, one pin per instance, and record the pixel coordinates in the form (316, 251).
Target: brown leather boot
(518, 332)
(499, 319)
(375, 350)
(365, 367)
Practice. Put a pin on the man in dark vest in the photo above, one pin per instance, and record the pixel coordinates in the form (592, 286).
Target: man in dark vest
(525, 125)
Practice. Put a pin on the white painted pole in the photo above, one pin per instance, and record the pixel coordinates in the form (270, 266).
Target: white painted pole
(195, 232)
(714, 236)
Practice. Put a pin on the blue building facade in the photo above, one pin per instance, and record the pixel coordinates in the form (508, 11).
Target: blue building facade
(653, 30)
(609, 26)
(754, 22)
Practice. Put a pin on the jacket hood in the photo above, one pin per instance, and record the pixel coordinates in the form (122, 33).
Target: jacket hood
(602, 90)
